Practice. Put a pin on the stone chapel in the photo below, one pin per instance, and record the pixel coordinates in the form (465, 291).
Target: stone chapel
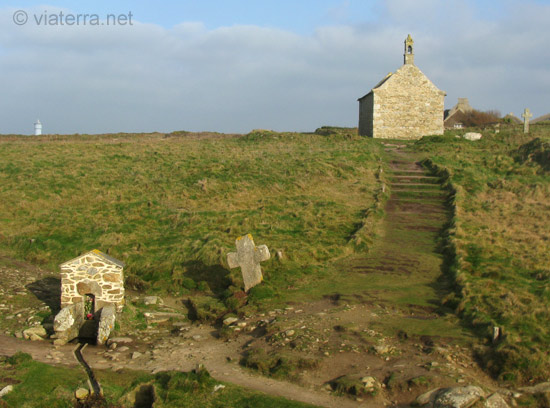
(403, 105)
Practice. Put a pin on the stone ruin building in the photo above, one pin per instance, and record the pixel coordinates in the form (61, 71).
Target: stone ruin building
(403, 105)
(92, 292)
(454, 117)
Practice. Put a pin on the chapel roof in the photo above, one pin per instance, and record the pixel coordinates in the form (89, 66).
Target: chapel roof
(98, 253)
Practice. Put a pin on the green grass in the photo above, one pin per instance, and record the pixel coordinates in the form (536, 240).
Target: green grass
(172, 207)
(37, 385)
(499, 242)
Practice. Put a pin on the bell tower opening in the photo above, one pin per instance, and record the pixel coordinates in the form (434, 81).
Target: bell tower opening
(409, 51)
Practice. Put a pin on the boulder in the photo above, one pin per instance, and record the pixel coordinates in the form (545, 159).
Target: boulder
(81, 394)
(35, 333)
(229, 321)
(496, 401)
(370, 383)
(151, 300)
(6, 390)
(382, 349)
(472, 136)
(537, 389)
(67, 322)
(120, 340)
(35, 337)
(64, 320)
(426, 398)
(458, 397)
(106, 323)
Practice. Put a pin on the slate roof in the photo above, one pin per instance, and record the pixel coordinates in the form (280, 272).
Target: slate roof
(97, 252)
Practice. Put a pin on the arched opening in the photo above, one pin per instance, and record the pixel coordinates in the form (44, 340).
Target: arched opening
(89, 306)
(409, 49)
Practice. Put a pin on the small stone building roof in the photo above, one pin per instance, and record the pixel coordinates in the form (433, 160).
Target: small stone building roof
(458, 113)
(404, 70)
(514, 118)
(96, 252)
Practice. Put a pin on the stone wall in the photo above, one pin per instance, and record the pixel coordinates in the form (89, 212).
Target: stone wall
(92, 273)
(366, 114)
(405, 106)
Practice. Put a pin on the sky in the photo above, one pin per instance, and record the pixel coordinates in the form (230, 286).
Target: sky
(238, 65)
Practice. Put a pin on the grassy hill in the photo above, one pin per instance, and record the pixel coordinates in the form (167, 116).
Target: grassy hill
(499, 243)
(171, 206)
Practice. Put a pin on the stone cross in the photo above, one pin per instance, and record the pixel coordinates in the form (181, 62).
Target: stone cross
(526, 116)
(248, 257)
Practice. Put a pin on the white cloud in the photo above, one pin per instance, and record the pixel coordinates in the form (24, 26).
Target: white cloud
(235, 78)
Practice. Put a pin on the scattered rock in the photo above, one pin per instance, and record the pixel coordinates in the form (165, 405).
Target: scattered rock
(426, 398)
(537, 389)
(6, 390)
(229, 321)
(472, 136)
(496, 334)
(382, 349)
(290, 333)
(496, 401)
(370, 383)
(81, 394)
(60, 342)
(458, 397)
(159, 317)
(136, 355)
(35, 337)
(219, 387)
(35, 333)
(120, 340)
(150, 300)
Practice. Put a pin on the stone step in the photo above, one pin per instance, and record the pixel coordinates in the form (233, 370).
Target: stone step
(424, 182)
(421, 193)
(432, 200)
(430, 188)
(419, 185)
(408, 172)
(426, 188)
(411, 176)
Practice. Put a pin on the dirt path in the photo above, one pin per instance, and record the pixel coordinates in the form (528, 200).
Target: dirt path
(394, 330)
(212, 354)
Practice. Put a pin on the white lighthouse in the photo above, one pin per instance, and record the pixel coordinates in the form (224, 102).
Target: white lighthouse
(37, 128)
